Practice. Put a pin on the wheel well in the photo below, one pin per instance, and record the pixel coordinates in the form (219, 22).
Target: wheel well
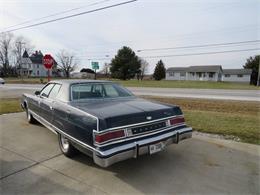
(25, 105)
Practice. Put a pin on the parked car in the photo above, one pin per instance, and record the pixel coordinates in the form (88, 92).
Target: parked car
(104, 120)
(2, 81)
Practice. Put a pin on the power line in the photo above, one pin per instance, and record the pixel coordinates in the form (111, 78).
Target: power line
(196, 46)
(73, 15)
(56, 14)
(197, 54)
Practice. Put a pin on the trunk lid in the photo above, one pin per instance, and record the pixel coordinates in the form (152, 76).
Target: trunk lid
(126, 111)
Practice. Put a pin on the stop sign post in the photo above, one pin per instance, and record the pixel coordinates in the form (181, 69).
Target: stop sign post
(48, 63)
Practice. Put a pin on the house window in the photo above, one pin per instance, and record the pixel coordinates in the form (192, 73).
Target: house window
(239, 75)
(199, 74)
(182, 74)
(227, 75)
(193, 74)
(38, 72)
(37, 65)
(211, 74)
(171, 74)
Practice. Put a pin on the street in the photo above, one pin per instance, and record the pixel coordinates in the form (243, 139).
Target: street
(31, 163)
(15, 90)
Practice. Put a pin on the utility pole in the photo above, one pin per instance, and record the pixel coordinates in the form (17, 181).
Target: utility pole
(19, 43)
(258, 76)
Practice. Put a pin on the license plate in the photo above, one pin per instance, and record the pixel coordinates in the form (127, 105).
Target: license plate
(156, 147)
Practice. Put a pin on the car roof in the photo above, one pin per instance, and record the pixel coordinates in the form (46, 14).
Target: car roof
(74, 81)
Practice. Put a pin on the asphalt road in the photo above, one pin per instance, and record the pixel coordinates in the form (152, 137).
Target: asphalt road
(15, 90)
(31, 163)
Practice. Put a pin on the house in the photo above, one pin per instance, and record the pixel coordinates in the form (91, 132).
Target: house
(208, 73)
(25, 67)
(237, 75)
(195, 73)
(32, 66)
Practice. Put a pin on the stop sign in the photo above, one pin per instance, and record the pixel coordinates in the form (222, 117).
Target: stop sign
(47, 61)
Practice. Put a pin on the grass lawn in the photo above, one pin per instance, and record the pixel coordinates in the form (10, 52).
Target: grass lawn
(10, 105)
(152, 83)
(186, 84)
(232, 118)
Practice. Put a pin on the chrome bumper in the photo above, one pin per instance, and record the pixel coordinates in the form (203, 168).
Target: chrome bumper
(135, 149)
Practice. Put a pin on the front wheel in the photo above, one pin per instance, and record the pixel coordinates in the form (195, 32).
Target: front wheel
(66, 147)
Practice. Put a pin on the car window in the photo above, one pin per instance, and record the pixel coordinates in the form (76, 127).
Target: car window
(110, 91)
(55, 90)
(97, 90)
(46, 90)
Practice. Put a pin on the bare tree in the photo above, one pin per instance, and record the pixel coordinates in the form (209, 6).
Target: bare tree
(143, 68)
(105, 69)
(5, 51)
(20, 45)
(66, 62)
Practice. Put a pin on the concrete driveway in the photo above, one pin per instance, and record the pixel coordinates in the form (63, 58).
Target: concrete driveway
(31, 163)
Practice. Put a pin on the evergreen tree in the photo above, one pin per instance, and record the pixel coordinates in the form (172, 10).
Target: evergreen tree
(253, 63)
(159, 71)
(125, 64)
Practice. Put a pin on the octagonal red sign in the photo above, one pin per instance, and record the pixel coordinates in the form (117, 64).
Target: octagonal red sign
(48, 61)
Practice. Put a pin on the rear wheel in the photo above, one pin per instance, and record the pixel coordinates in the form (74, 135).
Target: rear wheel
(29, 117)
(66, 147)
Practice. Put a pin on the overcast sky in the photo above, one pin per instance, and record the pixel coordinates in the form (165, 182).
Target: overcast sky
(141, 25)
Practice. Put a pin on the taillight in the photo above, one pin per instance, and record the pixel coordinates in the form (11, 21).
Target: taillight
(175, 121)
(104, 137)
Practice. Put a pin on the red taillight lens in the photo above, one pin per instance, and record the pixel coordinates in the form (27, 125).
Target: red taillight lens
(109, 136)
(175, 121)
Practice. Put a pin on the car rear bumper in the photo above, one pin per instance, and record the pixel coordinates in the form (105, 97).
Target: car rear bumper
(141, 147)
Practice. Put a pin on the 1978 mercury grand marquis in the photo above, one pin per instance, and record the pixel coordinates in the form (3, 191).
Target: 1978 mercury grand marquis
(104, 120)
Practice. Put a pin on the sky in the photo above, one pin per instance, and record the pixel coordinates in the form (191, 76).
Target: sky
(143, 24)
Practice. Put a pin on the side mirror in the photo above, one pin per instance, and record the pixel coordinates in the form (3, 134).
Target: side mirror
(37, 92)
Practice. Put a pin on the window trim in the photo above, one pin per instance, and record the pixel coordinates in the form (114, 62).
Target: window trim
(71, 95)
(52, 89)
(49, 91)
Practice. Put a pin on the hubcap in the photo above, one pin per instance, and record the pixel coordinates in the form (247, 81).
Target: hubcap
(64, 143)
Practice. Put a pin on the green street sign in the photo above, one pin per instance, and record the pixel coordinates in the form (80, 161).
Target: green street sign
(95, 65)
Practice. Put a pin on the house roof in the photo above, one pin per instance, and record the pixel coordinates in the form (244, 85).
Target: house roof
(177, 69)
(237, 71)
(25, 54)
(36, 57)
(210, 68)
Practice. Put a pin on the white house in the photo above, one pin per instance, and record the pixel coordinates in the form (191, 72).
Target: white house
(32, 66)
(208, 73)
(237, 75)
(195, 73)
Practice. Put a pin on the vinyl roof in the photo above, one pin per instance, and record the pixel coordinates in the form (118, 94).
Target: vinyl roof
(73, 81)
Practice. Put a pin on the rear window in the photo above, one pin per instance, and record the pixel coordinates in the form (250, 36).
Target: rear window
(98, 90)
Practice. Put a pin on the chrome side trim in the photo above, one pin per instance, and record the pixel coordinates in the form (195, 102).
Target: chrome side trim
(55, 129)
(142, 123)
(138, 136)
